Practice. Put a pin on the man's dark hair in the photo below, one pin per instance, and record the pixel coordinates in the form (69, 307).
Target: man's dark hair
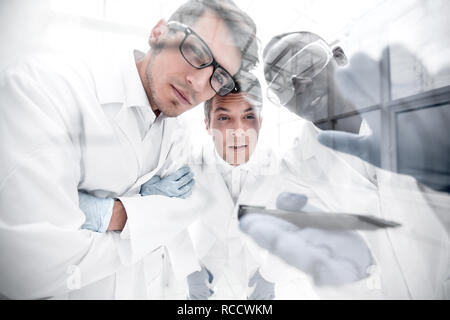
(242, 27)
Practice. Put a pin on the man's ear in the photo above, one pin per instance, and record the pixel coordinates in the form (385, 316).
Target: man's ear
(207, 126)
(158, 33)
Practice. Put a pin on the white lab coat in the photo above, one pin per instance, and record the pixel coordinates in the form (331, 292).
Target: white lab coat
(412, 262)
(67, 125)
(229, 254)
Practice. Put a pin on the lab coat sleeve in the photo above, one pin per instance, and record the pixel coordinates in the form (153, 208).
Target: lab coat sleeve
(155, 221)
(421, 244)
(182, 255)
(440, 204)
(41, 243)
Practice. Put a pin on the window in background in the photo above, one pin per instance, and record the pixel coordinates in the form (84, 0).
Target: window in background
(426, 130)
(411, 39)
(416, 31)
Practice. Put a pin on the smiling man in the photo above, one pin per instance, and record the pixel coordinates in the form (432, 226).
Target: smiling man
(230, 265)
(234, 122)
(105, 127)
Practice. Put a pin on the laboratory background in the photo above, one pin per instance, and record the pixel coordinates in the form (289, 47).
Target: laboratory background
(411, 39)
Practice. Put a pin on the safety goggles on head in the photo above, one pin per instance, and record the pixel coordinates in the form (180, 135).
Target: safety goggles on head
(197, 53)
(297, 63)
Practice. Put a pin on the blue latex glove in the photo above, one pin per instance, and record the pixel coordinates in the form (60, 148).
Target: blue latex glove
(98, 211)
(199, 283)
(329, 257)
(178, 184)
(264, 290)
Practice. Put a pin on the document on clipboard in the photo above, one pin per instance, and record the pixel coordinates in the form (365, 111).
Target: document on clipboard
(322, 220)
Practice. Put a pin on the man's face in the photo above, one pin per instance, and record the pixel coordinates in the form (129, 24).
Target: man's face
(309, 100)
(234, 124)
(175, 86)
(294, 69)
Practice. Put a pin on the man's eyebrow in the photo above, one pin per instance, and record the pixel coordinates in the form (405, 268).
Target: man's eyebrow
(249, 109)
(221, 109)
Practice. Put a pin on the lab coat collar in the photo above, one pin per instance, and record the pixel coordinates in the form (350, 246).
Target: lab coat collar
(262, 161)
(108, 80)
(216, 219)
(117, 81)
(262, 164)
(225, 168)
(308, 146)
(135, 95)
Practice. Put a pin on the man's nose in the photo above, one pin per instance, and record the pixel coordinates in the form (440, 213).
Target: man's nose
(236, 126)
(198, 79)
(237, 131)
(300, 85)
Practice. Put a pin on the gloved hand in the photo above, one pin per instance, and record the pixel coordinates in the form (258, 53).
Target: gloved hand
(329, 257)
(264, 290)
(98, 211)
(178, 184)
(199, 283)
(360, 84)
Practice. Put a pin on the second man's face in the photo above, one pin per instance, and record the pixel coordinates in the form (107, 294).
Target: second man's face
(234, 125)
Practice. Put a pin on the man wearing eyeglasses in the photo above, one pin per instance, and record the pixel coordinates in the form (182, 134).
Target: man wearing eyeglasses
(104, 129)
(295, 65)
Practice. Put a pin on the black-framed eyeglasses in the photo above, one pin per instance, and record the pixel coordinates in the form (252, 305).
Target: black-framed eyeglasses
(197, 53)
